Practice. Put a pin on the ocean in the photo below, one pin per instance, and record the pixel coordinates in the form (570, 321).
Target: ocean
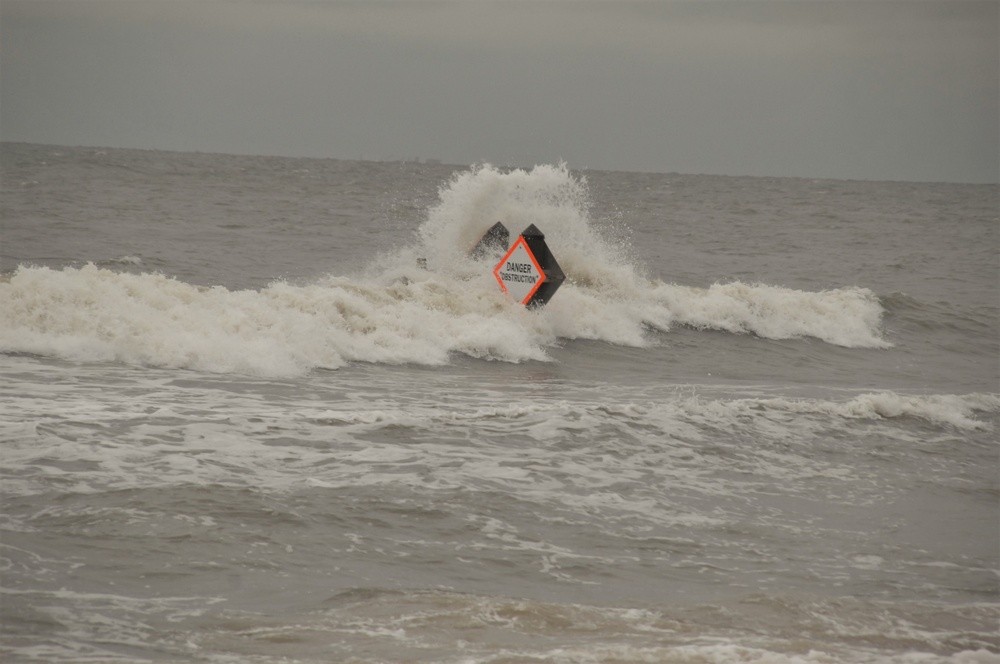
(261, 409)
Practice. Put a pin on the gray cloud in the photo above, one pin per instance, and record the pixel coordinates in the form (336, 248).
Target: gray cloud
(867, 90)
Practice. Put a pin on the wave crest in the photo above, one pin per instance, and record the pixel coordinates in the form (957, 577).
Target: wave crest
(398, 312)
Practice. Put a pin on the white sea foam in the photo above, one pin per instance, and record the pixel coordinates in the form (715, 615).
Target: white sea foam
(846, 317)
(481, 630)
(398, 313)
(948, 409)
(177, 434)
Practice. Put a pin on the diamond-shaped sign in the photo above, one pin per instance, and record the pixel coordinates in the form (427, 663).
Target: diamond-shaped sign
(519, 273)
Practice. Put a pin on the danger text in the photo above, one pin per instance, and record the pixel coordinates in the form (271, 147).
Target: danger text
(523, 268)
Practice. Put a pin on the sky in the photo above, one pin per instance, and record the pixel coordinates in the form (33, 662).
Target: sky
(846, 89)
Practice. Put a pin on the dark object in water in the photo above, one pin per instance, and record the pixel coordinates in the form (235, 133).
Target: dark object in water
(528, 272)
(554, 275)
(495, 241)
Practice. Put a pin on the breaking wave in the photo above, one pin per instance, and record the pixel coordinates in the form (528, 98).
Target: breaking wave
(397, 312)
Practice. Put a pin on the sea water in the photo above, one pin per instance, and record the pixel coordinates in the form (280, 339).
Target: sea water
(242, 421)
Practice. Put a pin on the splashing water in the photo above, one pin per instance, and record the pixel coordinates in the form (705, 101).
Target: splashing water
(397, 312)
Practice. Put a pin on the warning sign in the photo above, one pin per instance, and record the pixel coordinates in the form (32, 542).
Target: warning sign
(519, 273)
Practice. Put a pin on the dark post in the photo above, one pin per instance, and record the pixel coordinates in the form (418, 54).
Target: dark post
(553, 273)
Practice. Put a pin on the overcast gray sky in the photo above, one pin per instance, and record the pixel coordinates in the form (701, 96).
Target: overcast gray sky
(901, 90)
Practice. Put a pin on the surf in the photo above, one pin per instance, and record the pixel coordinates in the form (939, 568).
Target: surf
(401, 310)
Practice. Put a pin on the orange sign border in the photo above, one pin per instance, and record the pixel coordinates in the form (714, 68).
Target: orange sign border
(534, 261)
